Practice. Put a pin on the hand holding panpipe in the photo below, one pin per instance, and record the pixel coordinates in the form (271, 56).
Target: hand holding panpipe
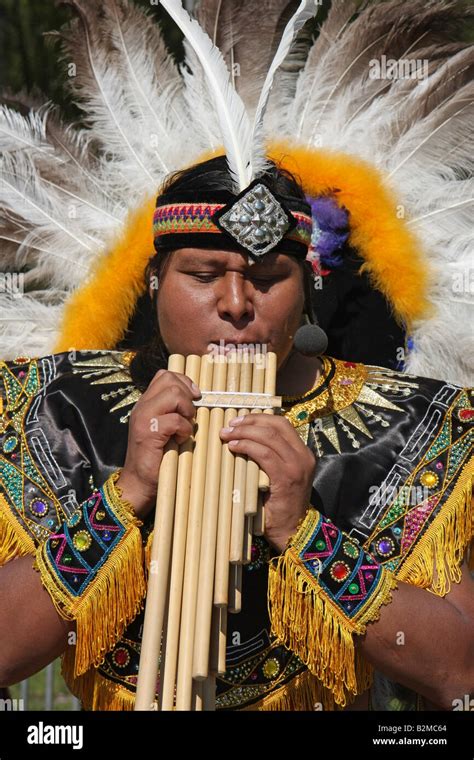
(204, 493)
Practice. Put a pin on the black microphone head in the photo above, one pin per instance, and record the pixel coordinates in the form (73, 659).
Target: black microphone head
(311, 340)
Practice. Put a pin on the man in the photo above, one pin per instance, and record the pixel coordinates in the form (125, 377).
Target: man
(368, 510)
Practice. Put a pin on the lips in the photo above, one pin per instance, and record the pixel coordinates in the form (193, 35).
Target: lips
(236, 341)
(228, 344)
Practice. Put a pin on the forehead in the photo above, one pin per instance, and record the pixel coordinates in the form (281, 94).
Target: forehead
(216, 257)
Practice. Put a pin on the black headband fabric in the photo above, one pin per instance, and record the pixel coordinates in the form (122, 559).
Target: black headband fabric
(191, 220)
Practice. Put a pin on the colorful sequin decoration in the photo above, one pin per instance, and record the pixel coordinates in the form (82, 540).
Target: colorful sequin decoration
(348, 574)
(260, 554)
(78, 550)
(426, 489)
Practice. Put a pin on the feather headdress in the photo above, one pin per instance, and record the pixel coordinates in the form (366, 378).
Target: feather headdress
(376, 111)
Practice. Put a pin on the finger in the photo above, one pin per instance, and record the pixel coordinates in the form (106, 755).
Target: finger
(272, 426)
(173, 424)
(167, 376)
(266, 458)
(260, 434)
(172, 398)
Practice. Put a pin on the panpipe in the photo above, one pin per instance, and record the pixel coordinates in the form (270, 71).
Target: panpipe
(209, 503)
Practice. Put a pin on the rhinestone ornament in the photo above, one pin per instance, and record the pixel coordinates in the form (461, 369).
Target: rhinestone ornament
(10, 444)
(257, 221)
(339, 571)
(121, 657)
(385, 547)
(349, 549)
(429, 479)
(271, 668)
(82, 540)
(38, 508)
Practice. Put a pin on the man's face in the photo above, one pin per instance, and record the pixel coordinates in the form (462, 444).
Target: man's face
(209, 296)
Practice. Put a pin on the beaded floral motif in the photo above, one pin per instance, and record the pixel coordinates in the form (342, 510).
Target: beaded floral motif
(260, 554)
(121, 664)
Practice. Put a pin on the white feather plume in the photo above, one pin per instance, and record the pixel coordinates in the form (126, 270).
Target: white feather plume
(305, 11)
(233, 118)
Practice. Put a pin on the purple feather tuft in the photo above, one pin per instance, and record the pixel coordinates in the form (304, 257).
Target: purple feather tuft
(330, 232)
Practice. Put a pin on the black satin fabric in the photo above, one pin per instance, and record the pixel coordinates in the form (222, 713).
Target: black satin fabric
(345, 481)
(86, 439)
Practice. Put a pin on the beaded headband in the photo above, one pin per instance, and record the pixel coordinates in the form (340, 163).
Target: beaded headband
(255, 221)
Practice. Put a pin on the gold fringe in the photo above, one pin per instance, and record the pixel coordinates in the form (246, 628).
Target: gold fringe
(444, 544)
(94, 691)
(302, 693)
(14, 540)
(148, 548)
(308, 623)
(110, 603)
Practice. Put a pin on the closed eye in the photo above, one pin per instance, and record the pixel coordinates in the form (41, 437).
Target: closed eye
(261, 280)
(204, 277)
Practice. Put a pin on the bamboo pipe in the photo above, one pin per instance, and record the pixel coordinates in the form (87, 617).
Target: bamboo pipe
(193, 548)
(185, 464)
(258, 526)
(221, 583)
(269, 387)
(253, 470)
(160, 568)
(209, 529)
(238, 507)
(235, 589)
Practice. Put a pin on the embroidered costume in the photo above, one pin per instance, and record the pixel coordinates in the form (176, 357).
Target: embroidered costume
(390, 502)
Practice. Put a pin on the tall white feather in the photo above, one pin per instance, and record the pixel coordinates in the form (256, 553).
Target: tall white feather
(305, 11)
(132, 94)
(65, 193)
(233, 118)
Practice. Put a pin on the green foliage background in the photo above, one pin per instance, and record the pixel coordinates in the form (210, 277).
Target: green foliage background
(29, 58)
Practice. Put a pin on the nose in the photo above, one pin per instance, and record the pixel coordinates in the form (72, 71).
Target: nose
(234, 300)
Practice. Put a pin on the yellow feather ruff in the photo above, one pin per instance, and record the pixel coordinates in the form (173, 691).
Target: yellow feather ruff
(98, 313)
(391, 253)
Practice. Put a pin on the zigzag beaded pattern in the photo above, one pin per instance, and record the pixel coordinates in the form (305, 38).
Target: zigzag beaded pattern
(197, 217)
(348, 574)
(83, 544)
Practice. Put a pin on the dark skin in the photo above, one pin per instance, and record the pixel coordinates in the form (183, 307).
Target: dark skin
(199, 303)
